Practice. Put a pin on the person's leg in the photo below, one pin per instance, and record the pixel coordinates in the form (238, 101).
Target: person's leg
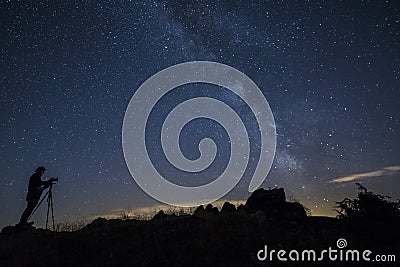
(27, 212)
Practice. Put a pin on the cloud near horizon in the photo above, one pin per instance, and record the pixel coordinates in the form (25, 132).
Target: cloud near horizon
(358, 176)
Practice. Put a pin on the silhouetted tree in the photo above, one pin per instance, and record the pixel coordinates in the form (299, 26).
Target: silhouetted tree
(367, 205)
(361, 188)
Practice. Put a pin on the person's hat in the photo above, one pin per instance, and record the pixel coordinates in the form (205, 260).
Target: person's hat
(41, 168)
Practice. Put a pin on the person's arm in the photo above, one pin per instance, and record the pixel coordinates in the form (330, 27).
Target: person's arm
(38, 184)
(45, 184)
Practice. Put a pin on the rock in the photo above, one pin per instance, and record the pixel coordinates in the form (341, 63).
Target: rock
(262, 199)
(199, 211)
(228, 208)
(159, 216)
(211, 210)
(97, 223)
(274, 206)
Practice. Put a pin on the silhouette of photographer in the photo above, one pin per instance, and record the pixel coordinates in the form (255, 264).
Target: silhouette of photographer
(35, 189)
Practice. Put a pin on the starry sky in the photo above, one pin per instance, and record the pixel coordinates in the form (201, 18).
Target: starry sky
(330, 71)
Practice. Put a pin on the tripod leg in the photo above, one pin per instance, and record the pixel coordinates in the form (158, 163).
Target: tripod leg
(37, 206)
(48, 208)
(52, 213)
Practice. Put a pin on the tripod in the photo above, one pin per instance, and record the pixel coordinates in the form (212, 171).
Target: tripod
(49, 195)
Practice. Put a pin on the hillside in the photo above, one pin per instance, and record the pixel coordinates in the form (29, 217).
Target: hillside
(230, 237)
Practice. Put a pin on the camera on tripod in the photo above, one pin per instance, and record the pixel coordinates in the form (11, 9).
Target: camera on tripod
(49, 197)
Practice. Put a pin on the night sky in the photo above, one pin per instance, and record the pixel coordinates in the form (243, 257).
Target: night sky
(329, 70)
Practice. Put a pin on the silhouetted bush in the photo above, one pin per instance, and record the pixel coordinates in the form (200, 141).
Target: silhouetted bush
(368, 205)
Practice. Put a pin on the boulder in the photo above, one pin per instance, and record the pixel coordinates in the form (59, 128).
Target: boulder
(228, 208)
(262, 199)
(160, 216)
(199, 211)
(211, 210)
(274, 206)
